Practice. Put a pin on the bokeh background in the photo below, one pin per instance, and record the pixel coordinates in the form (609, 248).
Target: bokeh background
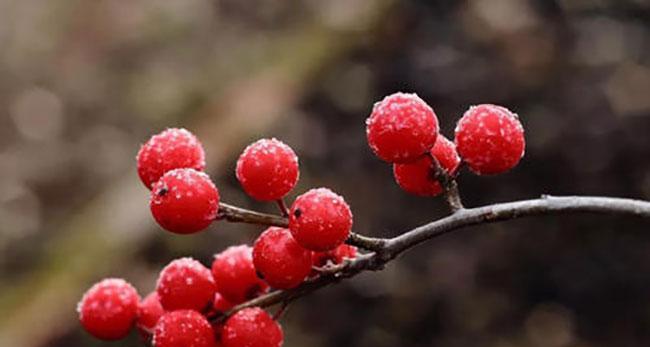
(83, 83)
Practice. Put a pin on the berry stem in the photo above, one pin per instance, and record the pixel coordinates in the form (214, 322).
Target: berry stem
(282, 310)
(236, 214)
(393, 247)
(283, 207)
(449, 185)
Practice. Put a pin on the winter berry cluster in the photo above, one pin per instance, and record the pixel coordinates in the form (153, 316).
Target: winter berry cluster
(403, 130)
(190, 302)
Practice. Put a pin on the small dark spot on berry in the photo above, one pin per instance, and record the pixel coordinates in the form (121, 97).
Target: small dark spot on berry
(163, 191)
(297, 213)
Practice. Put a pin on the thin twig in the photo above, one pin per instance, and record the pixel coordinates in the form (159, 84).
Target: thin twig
(236, 214)
(283, 207)
(282, 310)
(546, 205)
(449, 186)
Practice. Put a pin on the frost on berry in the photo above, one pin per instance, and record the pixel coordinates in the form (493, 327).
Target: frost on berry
(320, 220)
(171, 149)
(419, 177)
(490, 139)
(185, 284)
(267, 169)
(252, 327)
(335, 256)
(184, 201)
(234, 272)
(149, 311)
(109, 308)
(183, 328)
(401, 128)
(282, 262)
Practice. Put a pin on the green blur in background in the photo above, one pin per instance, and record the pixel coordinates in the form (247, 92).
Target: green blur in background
(83, 83)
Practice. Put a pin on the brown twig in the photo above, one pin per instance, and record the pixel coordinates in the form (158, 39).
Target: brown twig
(449, 186)
(236, 214)
(283, 207)
(391, 248)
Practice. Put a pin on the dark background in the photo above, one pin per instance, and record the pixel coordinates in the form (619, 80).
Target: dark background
(83, 83)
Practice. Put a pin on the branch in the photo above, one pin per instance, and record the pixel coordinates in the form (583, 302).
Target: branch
(236, 214)
(391, 248)
(448, 184)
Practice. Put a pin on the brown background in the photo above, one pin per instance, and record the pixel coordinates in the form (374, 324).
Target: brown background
(83, 83)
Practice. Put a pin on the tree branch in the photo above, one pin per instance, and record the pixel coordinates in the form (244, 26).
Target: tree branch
(236, 214)
(388, 249)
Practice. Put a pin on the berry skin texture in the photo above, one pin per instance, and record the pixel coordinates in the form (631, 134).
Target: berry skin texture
(320, 220)
(184, 201)
(108, 309)
(252, 327)
(183, 328)
(235, 274)
(401, 128)
(171, 149)
(268, 169)
(490, 139)
(185, 284)
(149, 312)
(419, 177)
(220, 304)
(335, 256)
(282, 262)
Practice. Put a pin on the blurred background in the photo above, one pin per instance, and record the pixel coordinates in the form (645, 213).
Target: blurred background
(83, 83)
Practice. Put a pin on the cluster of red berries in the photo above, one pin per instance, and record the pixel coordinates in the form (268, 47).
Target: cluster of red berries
(402, 129)
(188, 295)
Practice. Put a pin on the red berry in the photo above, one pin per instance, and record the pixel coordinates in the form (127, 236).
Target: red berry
(109, 308)
(221, 304)
(149, 311)
(185, 284)
(335, 256)
(490, 139)
(282, 262)
(401, 128)
(252, 327)
(184, 201)
(171, 149)
(183, 328)
(320, 220)
(234, 271)
(419, 177)
(268, 169)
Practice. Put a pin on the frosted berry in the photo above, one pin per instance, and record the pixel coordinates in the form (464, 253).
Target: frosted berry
(320, 220)
(149, 311)
(171, 149)
(490, 139)
(184, 201)
(419, 177)
(235, 274)
(183, 328)
(109, 308)
(281, 261)
(185, 284)
(221, 304)
(252, 327)
(267, 169)
(335, 256)
(401, 128)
